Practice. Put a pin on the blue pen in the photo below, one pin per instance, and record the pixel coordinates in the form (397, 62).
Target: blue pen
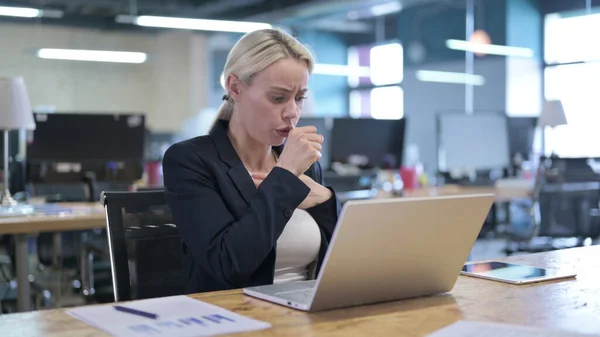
(136, 312)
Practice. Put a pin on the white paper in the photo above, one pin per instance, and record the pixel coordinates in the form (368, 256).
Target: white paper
(485, 329)
(178, 316)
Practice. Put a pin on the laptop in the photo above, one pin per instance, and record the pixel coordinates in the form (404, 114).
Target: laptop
(389, 249)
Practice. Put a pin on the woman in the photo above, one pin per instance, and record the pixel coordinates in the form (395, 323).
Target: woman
(250, 211)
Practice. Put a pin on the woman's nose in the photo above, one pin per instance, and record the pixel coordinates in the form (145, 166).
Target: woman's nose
(292, 110)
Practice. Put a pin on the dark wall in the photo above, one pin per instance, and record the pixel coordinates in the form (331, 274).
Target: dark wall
(434, 23)
(556, 6)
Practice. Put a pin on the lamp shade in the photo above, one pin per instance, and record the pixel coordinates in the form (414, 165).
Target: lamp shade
(15, 108)
(552, 115)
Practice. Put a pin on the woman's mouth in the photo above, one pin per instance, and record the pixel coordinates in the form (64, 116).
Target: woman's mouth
(283, 132)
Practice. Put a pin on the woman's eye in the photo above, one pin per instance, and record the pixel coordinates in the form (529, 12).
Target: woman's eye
(301, 98)
(278, 99)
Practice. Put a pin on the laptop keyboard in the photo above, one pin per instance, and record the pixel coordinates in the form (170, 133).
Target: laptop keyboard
(303, 296)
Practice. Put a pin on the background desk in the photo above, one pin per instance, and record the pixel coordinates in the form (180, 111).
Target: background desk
(82, 216)
(502, 194)
(572, 305)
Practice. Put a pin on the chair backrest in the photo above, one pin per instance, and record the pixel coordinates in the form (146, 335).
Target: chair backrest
(146, 252)
(108, 186)
(570, 210)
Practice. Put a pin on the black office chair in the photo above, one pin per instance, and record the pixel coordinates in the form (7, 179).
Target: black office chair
(145, 246)
(565, 210)
(109, 186)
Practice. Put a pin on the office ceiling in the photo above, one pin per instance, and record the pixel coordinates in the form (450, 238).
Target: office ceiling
(231, 9)
(331, 15)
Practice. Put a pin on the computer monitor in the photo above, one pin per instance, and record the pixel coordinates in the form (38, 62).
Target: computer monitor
(156, 144)
(477, 141)
(381, 141)
(521, 132)
(323, 126)
(72, 137)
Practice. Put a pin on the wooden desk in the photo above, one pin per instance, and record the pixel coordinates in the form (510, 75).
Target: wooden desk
(502, 194)
(570, 305)
(83, 216)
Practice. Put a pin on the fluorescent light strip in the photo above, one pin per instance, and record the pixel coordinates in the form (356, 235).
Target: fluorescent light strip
(20, 12)
(449, 77)
(386, 8)
(489, 48)
(23, 12)
(193, 24)
(92, 55)
(340, 70)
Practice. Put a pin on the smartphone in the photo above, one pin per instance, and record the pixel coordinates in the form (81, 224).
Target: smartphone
(513, 273)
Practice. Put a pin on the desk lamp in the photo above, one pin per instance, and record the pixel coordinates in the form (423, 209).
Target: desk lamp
(15, 114)
(552, 116)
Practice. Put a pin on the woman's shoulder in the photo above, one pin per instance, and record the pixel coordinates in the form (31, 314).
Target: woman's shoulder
(193, 149)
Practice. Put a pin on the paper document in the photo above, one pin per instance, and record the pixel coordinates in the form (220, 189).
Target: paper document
(176, 316)
(485, 329)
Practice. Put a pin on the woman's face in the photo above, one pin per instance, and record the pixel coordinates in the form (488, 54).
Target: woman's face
(270, 106)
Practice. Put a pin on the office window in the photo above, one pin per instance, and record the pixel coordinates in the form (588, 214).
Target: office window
(385, 61)
(379, 94)
(360, 102)
(576, 85)
(572, 39)
(386, 64)
(378, 103)
(359, 56)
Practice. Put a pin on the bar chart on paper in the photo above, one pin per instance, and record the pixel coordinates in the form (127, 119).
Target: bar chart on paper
(176, 316)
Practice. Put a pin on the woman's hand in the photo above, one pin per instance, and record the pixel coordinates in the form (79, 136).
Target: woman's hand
(302, 149)
(318, 193)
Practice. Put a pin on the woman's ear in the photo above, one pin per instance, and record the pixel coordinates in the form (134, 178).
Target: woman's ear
(234, 87)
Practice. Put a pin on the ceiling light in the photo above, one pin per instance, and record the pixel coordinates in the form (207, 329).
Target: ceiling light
(20, 12)
(449, 77)
(92, 55)
(193, 24)
(340, 70)
(24, 12)
(489, 48)
(386, 8)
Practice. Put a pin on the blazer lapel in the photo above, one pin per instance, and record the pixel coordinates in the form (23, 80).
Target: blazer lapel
(243, 182)
(237, 171)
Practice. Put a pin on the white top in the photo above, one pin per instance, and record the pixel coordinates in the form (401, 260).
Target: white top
(297, 247)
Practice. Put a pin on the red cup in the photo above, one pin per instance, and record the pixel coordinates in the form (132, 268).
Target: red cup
(409, 177)
(154, 171)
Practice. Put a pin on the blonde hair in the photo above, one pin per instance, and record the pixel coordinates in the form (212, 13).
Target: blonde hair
(254, 52)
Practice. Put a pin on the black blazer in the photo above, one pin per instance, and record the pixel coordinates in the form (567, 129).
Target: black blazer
(229, 227)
